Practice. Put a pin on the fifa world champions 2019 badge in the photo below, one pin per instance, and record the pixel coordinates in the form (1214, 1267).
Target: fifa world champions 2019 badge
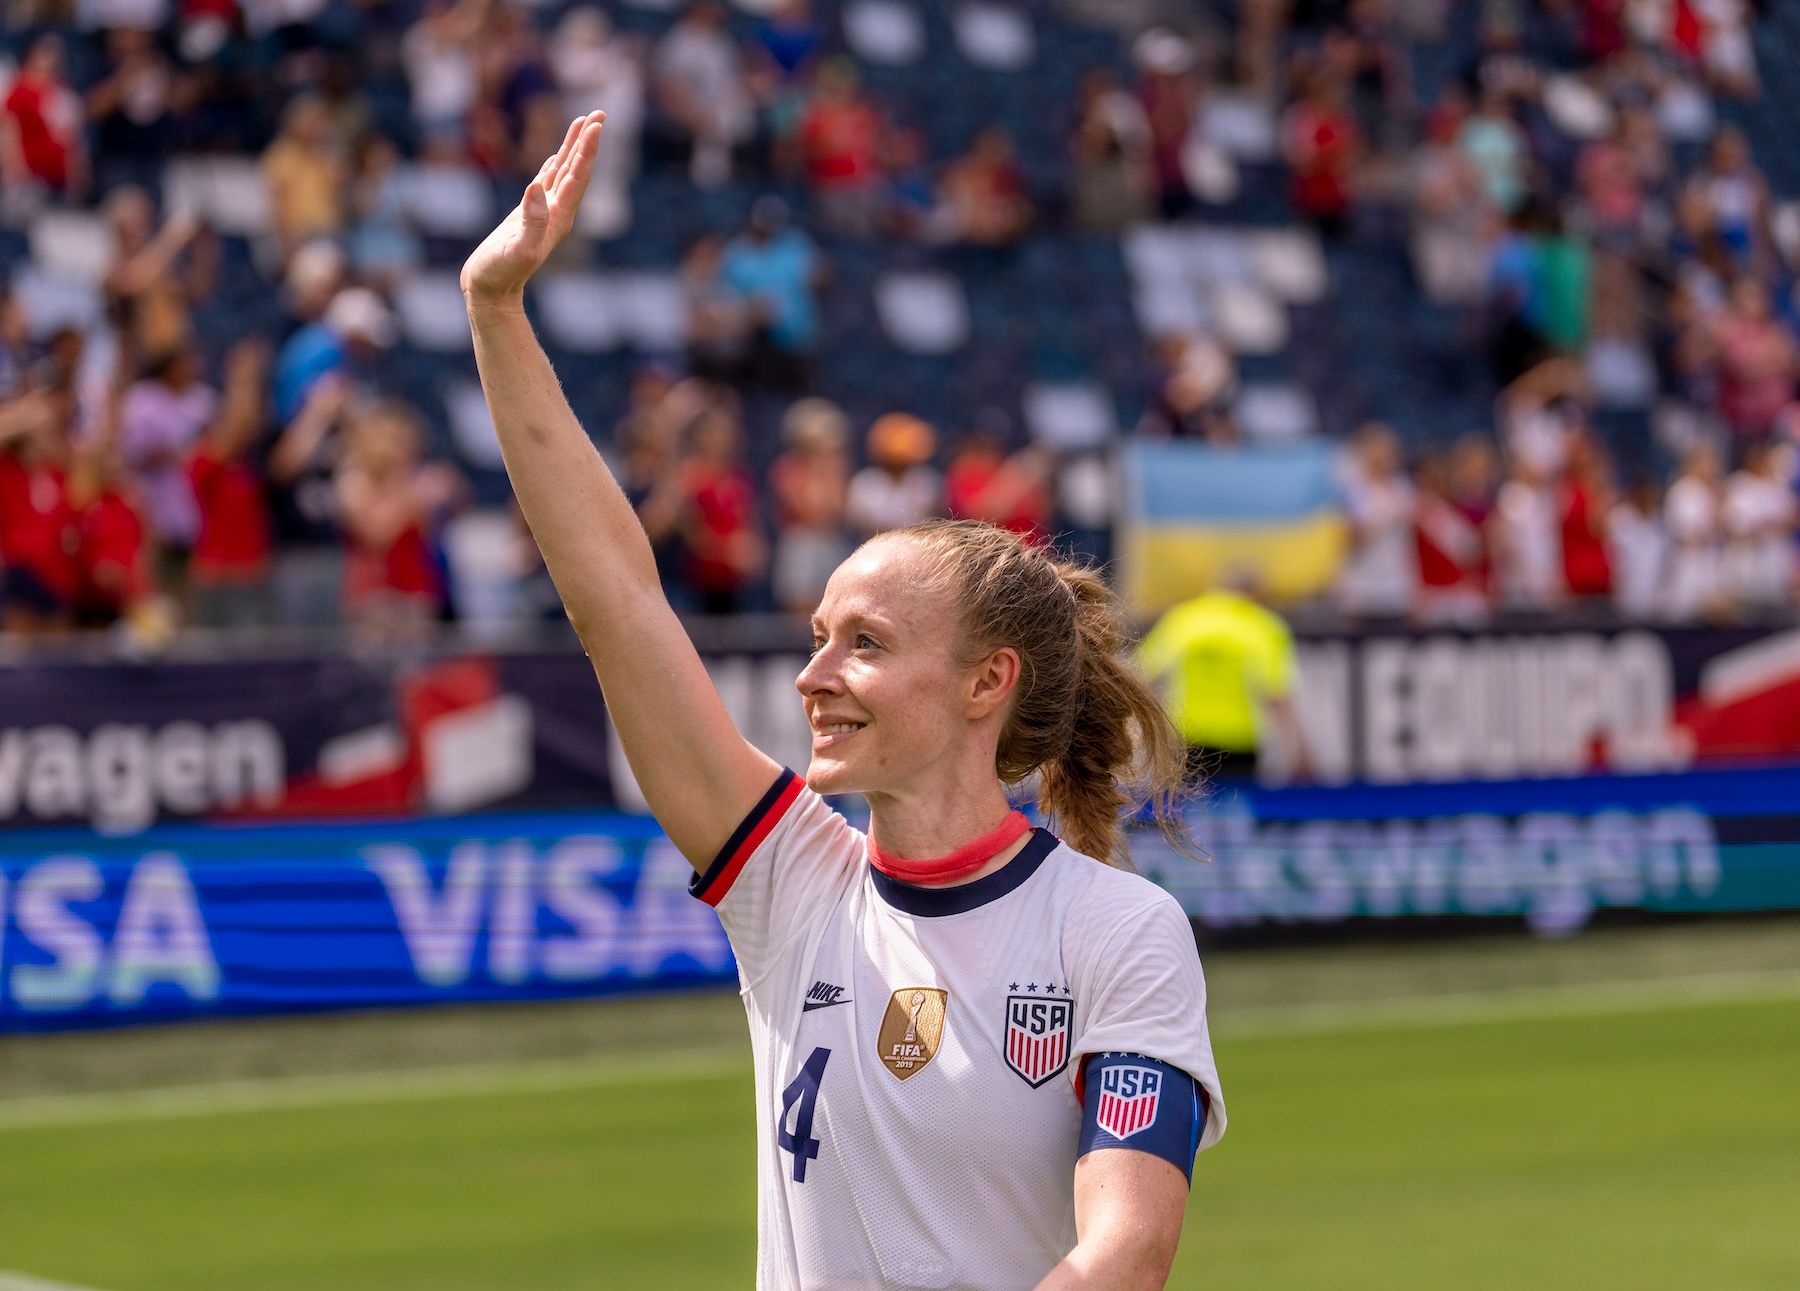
(1037, 1036)
(912, 1029)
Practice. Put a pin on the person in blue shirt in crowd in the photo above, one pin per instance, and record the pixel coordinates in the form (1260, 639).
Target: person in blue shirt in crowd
(775, 265)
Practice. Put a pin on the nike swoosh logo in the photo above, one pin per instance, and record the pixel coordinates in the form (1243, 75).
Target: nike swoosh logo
(809, 1005)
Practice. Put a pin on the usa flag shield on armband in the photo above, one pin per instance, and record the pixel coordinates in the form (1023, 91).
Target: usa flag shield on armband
(1037, 1036)
(1128, 1099)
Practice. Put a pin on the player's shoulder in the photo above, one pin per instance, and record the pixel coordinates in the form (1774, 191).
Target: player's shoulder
(1098, 895)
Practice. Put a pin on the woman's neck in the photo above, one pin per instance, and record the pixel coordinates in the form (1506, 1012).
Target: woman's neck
(920, 828)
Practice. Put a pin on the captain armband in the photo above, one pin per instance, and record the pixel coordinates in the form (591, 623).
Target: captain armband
(1129, 1101)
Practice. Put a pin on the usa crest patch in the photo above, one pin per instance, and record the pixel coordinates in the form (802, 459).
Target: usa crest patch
(1037, 1036)
(1128, 1099)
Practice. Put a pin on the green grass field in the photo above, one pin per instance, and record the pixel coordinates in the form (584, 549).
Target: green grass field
(1505, 1123)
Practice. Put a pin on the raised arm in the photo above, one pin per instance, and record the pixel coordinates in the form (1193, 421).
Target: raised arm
(698, 774)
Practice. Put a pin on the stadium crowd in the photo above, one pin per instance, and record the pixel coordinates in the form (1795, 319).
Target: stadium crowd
(1573, 201)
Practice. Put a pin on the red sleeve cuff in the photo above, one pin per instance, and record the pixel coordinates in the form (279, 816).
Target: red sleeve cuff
(712, 885)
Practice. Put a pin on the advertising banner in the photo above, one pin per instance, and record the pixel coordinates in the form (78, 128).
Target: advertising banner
(189, 921)
(1551, 851)
(119, 747)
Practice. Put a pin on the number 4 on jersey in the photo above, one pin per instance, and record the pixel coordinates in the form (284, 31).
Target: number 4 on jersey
(804, 1090)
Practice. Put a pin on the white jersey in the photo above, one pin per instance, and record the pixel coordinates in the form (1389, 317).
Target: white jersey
(917, 1049)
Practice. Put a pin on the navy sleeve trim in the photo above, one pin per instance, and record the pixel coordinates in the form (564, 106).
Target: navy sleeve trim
(1130, 1101)
(712, 885)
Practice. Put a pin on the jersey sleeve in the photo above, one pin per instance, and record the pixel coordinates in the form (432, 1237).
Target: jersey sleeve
(781, 872)
(1149, 998)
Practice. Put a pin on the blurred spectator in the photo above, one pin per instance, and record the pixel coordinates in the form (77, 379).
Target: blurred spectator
(983, 193)
(1760, 523)
(355, 328)
(384, 247)
(841, 145)
(1693, 515)
(112, 554)
(898, 487)
(1369, 58)
(984, 482)
(1586, 503)
(307, 175)
(133, 107)
(160, 420)
(1449, 528)
(721, 324)
(41, 126)
(389, 502)
(1450, 213)
(14, 343)
(1728, 54)
(1322, 146)
(1380, 578)
(1169, 90)
(346, 107)
(1538, 293)
(598, 67)
(1226, 665)
(299, 460)
(1526, 533)
(1198, 378)
(1115, 178)
(228, 572)
(726, 551)
(39, 534)
(438, 53)
(1638, 549)
(1498, 150)
(155, 278)
(774, 267)
(703, 89)
(648, 442)
(1734, 199)
(1757, 361)
(808, 486)
(789, 41)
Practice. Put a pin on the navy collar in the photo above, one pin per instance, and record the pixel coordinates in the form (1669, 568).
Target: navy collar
(933, 902)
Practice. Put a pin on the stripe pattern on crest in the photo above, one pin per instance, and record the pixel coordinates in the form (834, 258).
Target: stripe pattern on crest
(1037, 1037)
(1128, 1100)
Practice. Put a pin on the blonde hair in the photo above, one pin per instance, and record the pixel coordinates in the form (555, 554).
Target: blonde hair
(1081, 718)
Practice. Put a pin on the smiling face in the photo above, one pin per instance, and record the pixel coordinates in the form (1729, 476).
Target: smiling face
(889, 700)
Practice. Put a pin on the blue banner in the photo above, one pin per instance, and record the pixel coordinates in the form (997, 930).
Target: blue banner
(192, 921)
(1552, 852)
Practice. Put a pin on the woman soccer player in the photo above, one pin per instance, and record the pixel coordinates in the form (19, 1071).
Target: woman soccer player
(981, 1053)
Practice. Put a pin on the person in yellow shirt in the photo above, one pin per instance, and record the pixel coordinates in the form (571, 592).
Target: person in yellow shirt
(1225, 663)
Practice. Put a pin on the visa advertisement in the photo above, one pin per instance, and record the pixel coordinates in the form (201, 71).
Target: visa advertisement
(189, 921)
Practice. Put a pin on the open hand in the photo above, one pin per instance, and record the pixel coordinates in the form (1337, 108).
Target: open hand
(497, 270)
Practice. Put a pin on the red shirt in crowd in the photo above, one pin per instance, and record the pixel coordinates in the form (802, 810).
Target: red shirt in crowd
(842, 143)
(404, 567)
(1322, 143)
(233, 544)
(723, 500)
(114, 560)
(980, 487)
(1452, 547)
(39, 531)
(48, 118)
(1587, 570)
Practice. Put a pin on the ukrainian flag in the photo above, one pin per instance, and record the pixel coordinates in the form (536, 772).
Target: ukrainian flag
(1194, 515)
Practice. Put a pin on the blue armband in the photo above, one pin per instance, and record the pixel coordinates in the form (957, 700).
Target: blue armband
(1129, 1101)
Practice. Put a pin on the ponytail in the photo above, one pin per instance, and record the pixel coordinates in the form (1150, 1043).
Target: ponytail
(1082, 719)
(1123, 752)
